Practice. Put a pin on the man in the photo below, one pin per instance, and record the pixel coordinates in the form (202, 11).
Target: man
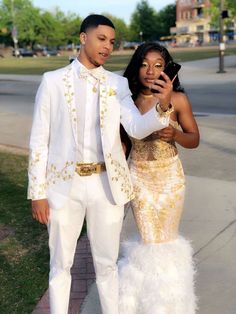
(77, 167)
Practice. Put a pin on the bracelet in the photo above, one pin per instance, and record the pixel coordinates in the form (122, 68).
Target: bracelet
(163, 113)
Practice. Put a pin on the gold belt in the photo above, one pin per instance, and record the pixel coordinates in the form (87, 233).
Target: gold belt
(87, 169)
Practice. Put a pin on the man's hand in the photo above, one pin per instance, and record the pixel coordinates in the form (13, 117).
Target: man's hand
(40, 210)
(167, 134)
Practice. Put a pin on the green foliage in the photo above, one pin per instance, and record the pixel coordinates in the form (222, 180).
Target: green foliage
(122, 30)
(28, 26)
(51, 31)
(214, 12)
(144, 22)
(167, 17)
(36, 26)
(231, 6)
(72, 24)
(152, 24)
(5, 22)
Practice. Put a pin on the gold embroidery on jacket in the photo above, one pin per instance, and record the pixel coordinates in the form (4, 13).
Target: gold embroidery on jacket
(36, 189)
(111, 92)
(120, 174)
(54, 174)
(103, 106)
(69, 94)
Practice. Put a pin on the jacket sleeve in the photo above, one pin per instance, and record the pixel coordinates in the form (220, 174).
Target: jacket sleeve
(39, 140)
(135, 124)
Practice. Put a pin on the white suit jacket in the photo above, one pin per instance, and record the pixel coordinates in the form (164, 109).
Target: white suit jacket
(53, 141)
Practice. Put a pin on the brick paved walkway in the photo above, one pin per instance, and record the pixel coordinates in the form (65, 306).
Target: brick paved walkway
(82, 277)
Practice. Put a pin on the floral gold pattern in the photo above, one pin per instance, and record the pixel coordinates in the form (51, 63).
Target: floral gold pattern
(120, 174)
(54, 174)
(103, 105)
(69, 95)
(36, 189)
(159, 187)
(111, 92)
(152, 148)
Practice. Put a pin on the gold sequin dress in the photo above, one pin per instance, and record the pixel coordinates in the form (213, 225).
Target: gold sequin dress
(156, 273)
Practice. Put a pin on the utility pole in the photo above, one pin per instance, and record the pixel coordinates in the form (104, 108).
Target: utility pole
(14, 30)
(141, 36)
(221, 39)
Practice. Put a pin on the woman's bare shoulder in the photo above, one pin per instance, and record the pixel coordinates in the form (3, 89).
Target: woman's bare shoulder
(180, 101)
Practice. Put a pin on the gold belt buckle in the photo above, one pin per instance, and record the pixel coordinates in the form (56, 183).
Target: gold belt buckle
(87, 169)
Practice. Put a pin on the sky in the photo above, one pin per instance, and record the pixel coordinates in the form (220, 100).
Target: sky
(118, 8)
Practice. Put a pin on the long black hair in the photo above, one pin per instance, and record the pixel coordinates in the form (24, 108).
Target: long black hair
(132, 70)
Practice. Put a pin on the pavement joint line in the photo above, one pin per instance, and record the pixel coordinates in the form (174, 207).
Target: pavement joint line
(217, 250)
(215, 237)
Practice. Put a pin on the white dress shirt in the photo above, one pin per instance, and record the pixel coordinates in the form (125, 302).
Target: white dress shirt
(87, 106)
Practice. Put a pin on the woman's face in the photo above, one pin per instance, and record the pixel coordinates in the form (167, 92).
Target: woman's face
(152, 66)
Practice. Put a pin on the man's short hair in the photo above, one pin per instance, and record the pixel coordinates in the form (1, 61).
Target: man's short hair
(93, 21)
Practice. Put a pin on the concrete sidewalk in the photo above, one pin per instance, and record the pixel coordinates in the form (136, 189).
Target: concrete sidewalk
(209, 218)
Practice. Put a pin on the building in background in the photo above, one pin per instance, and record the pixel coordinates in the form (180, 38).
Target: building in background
(193, 24)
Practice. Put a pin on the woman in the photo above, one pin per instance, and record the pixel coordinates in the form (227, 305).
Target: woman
(156, 273)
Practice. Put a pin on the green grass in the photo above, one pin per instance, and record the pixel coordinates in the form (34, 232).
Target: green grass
(199, 54)
(23, 242)
(115, 63)
(31, 65)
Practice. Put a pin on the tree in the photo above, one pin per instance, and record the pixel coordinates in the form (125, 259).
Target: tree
(22, 15)
(144, 22)
(122, 30)
(231, 5)
(50, 30)
(6, 22)
(72, 24)
(214, 11)
(27, 24)
(167, 18)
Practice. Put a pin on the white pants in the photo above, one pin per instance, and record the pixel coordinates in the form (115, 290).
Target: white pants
(91, 197)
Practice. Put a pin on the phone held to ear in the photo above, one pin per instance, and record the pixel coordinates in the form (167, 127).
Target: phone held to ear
(171, 69)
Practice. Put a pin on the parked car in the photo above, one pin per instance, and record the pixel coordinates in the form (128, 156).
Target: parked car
(46, 52)
(23, 52)
(131, 45)
(51, 52)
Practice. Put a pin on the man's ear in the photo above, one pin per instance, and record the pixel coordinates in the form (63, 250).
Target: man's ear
(83, 37)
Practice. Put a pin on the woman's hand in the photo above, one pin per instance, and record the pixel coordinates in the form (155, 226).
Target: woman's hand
(164, 88)
(167, 134)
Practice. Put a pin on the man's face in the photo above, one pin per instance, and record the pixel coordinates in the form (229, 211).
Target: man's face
(97, 45)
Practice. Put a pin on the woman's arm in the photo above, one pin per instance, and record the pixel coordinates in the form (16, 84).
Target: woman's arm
(189, 136)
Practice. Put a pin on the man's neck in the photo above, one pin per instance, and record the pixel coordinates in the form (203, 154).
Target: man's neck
(86, 63)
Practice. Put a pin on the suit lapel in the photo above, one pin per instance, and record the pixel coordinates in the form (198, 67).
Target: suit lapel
(69, 94)
(103, 101)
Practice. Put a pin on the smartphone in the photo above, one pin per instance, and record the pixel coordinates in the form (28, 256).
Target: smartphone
(171, 69)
